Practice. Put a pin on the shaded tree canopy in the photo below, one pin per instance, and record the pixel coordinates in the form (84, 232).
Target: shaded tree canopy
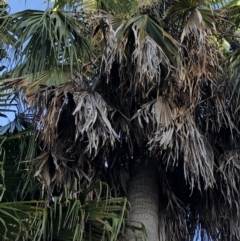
(116, 87)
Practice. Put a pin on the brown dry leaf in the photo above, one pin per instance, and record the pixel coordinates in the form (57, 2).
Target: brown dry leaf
(71, 122)
(194, 25)
(175, 133)
(230, 171)
(91, 118)
(148, 57)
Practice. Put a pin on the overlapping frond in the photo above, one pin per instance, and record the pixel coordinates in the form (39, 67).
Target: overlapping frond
(5, 36)
(175, 130)
(69, 119)
(66, 218)
(142, 43)
(51, 38)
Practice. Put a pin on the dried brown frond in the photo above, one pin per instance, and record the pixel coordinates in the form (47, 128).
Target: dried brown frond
(72, 125)
(194, 25)
(149, 58)
(92, 120)
(175, 131)
(108, 55)
(229, 168)
(197, 153)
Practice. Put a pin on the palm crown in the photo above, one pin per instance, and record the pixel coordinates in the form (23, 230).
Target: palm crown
(118, 86)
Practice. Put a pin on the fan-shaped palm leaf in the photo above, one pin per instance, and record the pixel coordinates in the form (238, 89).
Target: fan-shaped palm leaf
(49, 38)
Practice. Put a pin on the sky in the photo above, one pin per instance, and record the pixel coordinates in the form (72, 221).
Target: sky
(19, 5)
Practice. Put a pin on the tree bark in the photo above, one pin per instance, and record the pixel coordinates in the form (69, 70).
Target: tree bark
(143, 196)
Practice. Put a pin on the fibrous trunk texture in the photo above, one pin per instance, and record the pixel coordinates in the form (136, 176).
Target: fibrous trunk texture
(143, 196)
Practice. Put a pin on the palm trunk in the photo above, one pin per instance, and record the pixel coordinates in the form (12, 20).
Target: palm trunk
(143, 196)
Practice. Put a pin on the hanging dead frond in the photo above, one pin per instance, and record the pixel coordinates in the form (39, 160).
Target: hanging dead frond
(149, 59)
(194, 25)
(153, 50)
(229, 167)
(71, 122)
(108, 33)
(91, 118)
(176, 136)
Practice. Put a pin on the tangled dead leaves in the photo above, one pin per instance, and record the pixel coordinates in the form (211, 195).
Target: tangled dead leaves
(71, 122)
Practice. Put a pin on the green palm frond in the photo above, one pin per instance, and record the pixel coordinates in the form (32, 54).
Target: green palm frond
(64, 4)
(23, 220)
(50, 38)
(233, 9)
(7, 38)
(90, 215)
(18, 218)
(115, 7)
(15, 149)
(233, 68)
(54, 76)
(17, 144)
(232, 37)
(83, 219)
(5, 22)
(65, 219)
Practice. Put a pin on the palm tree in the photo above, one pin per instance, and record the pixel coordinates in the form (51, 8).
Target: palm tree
(142, 95)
